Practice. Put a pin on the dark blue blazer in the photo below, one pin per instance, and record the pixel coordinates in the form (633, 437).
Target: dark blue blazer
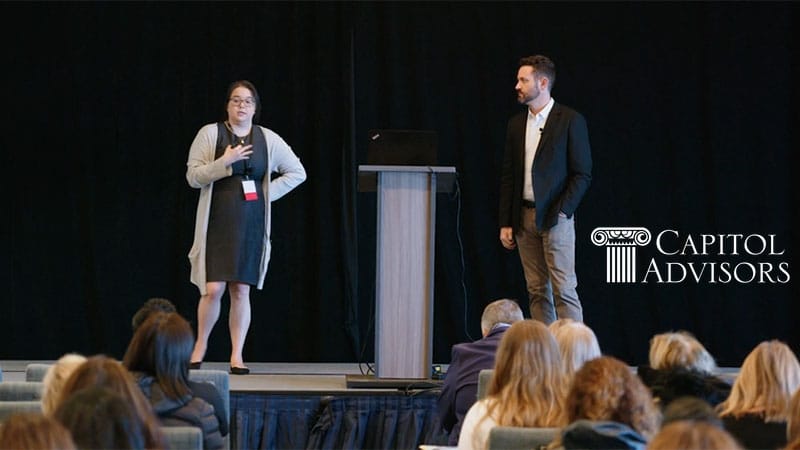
(460, 388)
(562, 168)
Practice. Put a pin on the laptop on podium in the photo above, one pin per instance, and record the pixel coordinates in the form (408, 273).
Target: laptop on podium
(402, 148)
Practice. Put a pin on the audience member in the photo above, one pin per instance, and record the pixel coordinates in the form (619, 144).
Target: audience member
(526, 389)
(793, 421)
(577, 343)
(158, 356)
(152, 305)
(34, 431)
(102, 371)
(691, 408)
(558, 323)
(691, 435)
(757, 409)
(608, 407)
(99, 418)
(460, 387)
(680, 365)
(201, 389)
(55, 377)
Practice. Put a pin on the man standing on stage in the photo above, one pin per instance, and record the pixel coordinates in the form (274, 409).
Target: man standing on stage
(546, 171)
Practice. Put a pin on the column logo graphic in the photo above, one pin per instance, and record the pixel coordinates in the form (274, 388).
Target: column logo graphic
(620, 244)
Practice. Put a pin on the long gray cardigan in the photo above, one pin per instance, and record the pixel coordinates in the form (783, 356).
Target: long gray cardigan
(203, 170)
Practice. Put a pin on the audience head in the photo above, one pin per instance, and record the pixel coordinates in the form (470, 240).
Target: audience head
(498, 312)
(680, 350)
(577, 343)
(793, 419)
(56, 376)
(769, 376)
(688, 434)
(527, 386)
(98, 417)
(102, 371)
(558, 323)
(605, 388)
(33, 431)
(152, 305)
(161, 347)
(690, 408)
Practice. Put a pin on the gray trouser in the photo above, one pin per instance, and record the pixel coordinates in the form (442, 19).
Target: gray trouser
(548, 259)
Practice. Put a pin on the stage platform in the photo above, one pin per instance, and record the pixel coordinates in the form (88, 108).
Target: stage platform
(302, 405)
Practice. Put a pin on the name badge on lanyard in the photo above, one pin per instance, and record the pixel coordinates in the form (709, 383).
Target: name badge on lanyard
(249, 188)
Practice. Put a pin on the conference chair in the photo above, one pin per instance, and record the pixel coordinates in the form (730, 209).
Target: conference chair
(36, 371)
(483, 382)
(8, 408)
(521, 438)
(183, 438)
(21, 391)
(221, 380)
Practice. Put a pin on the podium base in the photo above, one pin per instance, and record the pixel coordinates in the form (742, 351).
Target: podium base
(373, 382)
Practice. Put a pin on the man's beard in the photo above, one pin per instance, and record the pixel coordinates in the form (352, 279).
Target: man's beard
(528, 98)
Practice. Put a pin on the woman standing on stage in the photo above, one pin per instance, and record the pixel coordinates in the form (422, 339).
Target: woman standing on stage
(231, 163)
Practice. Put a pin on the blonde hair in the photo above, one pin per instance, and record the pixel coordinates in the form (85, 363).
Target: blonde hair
(769, 376)
(680, 350)
(578, 344)
(526, 389)
(55, 378)
(793, 419)
(688, 434)
(558, 323)
(605, 388)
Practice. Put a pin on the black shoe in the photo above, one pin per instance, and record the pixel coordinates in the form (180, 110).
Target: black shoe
(239, 370)
(195, 365)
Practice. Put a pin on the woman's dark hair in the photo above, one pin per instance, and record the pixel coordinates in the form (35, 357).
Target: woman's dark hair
(161, 347)
(247, 85)
(690, 408)
(98, 417)
(152, 305)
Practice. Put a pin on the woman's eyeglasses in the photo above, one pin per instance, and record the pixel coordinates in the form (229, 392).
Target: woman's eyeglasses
(249, 101)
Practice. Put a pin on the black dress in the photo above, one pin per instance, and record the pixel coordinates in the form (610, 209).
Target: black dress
(235, 236)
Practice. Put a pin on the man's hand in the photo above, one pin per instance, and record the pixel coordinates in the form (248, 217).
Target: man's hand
(507, 238)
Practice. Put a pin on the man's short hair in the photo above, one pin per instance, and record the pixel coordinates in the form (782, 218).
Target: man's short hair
(155, 304)
(542, 66)
(500, 311)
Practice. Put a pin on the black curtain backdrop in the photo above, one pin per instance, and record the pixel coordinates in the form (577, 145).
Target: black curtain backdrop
(692, 114)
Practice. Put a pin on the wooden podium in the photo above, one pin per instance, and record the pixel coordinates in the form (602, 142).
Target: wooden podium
(406, 224)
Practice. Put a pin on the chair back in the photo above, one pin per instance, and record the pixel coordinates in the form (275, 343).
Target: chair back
(36, 371)
(519, 438)
(221, 380)
(183, 438)
(483, 382)
(19, 391)
(8, 408)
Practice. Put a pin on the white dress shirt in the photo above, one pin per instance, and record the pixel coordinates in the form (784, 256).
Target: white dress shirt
(533, 133)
